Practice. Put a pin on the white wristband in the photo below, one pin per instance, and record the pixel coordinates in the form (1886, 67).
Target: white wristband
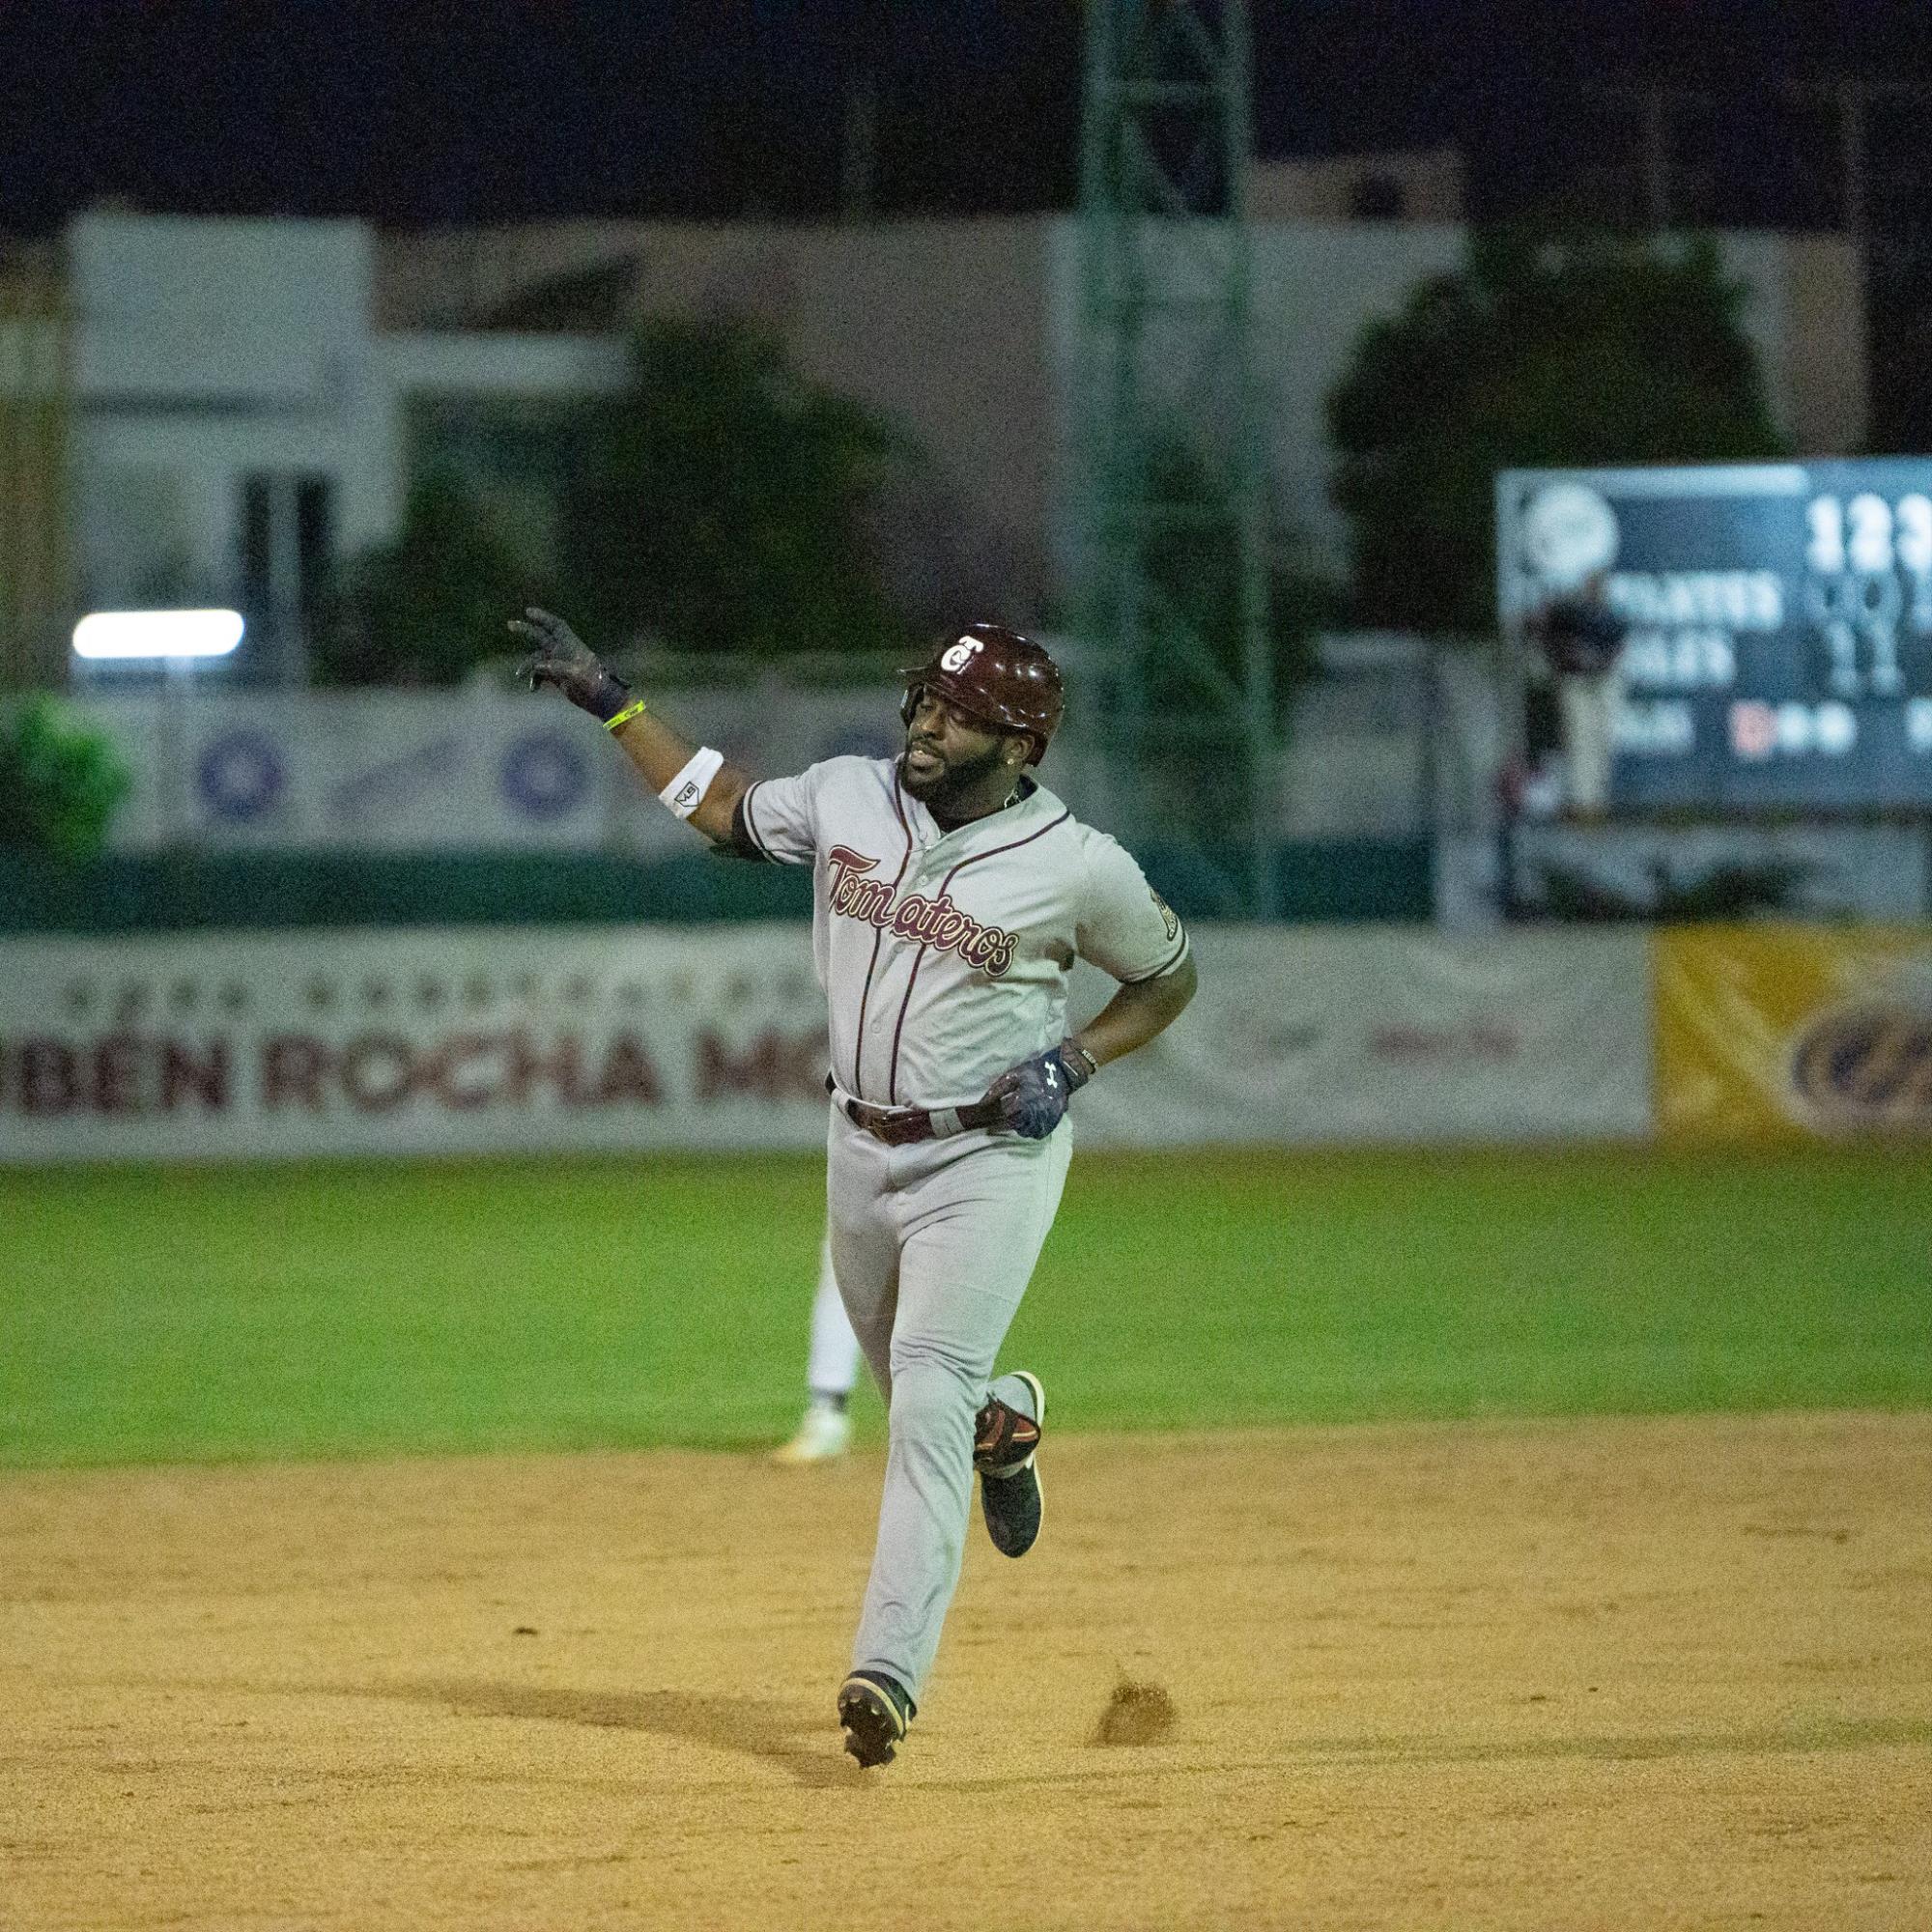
(686, 792)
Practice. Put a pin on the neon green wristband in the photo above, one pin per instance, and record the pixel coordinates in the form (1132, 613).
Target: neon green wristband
(635, 709)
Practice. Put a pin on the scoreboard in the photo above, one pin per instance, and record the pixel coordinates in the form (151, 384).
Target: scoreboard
(1777, 653)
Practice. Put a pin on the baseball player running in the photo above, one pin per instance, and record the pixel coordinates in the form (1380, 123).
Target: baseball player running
(952, 894)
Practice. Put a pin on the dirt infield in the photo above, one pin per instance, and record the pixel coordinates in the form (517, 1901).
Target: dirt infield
(1639, 1673)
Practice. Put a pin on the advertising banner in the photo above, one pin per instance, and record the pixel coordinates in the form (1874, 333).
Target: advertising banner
(476, 1041)
(446, 1042)
(1390, 1035)
(475, 768)
(1780, 1032)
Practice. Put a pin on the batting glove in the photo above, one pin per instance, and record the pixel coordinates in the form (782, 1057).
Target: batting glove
(1033, 1094)
(561, 657)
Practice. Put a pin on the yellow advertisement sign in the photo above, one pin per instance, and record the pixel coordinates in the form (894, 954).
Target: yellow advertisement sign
(1775, 1032)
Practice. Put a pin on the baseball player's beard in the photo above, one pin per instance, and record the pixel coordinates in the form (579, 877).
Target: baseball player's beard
(942, 794)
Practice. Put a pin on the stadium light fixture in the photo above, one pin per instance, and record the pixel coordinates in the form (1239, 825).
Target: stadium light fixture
(157, 634)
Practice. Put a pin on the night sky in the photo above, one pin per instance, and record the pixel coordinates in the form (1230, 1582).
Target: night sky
(500, 109)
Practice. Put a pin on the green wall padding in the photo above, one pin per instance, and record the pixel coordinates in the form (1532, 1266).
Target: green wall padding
(1351, 879)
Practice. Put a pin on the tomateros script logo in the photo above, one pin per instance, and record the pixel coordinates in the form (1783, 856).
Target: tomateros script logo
(936, 923)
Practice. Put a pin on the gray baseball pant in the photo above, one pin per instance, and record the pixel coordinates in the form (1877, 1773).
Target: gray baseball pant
(933, 1245)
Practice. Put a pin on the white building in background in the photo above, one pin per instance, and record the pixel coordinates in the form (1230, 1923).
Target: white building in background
(249, 399)
(967, 333)
(239, 422)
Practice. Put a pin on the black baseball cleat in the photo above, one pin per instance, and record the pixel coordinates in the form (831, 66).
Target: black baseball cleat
(1005, 1442)
(875, 1710)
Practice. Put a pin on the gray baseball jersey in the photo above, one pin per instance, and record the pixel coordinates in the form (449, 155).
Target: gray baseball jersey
(943, 955)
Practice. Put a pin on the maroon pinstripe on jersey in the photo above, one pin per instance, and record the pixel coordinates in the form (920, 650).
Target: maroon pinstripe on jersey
(872, 964)
(1010, 939)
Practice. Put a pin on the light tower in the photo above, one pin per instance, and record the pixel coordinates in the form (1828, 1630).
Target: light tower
(1170, 567)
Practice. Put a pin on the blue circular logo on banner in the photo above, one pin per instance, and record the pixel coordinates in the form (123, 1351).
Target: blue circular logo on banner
(545, 776)
(240, 776)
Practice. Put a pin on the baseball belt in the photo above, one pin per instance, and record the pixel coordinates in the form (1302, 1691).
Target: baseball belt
(901, 1126)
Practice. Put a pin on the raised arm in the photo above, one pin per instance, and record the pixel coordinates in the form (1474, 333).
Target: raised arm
(657, 749)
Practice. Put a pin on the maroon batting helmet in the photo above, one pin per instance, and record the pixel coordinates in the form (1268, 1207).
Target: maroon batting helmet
(995, 675)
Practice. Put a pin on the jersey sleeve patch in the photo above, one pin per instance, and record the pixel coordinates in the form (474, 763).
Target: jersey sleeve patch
(1167, 965)
(1124, 927)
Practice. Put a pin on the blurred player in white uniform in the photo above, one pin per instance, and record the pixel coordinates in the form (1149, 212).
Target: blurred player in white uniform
(952, 895)
(831, 1374)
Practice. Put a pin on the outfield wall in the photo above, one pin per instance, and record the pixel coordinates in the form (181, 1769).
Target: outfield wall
(479, 1041)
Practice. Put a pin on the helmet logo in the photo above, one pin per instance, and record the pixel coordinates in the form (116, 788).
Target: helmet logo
(956, 657)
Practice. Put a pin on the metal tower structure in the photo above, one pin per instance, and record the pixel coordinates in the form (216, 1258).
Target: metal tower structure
(1170, 569)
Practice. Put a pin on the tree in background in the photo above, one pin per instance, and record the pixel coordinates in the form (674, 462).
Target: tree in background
(722, 503)
(60, 783)
(1585, 350)
(430, 605)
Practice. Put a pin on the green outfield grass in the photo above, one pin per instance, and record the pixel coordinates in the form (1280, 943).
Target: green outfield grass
(349, 1310)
